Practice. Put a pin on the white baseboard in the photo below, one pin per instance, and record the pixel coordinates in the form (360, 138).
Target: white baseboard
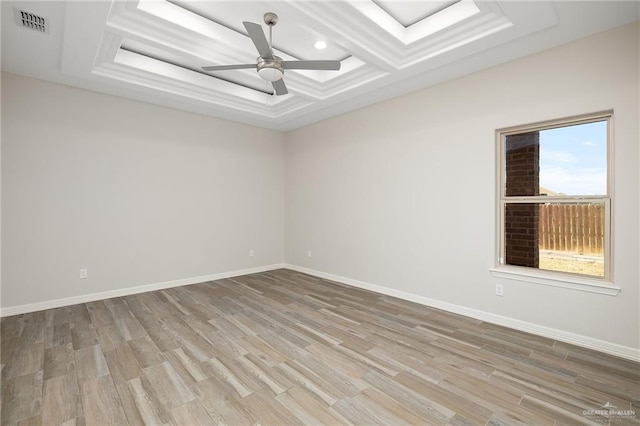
(552, 333)
(74, 300)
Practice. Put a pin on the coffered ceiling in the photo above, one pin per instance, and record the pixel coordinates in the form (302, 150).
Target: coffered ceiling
(154, 50)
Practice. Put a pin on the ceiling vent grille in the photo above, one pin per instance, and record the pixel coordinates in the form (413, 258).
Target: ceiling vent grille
(32, 21)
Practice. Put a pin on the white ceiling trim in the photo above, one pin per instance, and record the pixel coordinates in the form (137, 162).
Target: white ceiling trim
(125, 21)
(439, 21)
(194, 39)
(152, 50)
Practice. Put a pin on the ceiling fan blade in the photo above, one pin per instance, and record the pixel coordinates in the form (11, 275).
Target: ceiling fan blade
(228, 67)
(259, 40)
(311, 65)
(280, 87)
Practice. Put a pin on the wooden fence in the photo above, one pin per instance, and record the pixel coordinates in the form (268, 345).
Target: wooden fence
(572, 227)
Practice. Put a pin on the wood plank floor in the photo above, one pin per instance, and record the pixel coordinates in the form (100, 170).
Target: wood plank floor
(283, 348)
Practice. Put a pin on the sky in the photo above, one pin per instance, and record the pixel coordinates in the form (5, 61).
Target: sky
(573, 159)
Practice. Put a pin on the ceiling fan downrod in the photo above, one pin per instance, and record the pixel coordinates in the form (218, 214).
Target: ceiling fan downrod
(270, 19)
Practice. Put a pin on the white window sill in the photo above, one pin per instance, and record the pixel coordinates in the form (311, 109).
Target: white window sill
(555, 279)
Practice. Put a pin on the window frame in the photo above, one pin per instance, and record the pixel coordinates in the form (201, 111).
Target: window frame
(604, 285)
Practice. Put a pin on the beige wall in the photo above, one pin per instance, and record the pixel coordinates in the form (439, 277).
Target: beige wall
(402, 194)
(137, 194)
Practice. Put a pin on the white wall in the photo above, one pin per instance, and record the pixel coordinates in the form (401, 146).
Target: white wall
(402, 194)
(136, 193)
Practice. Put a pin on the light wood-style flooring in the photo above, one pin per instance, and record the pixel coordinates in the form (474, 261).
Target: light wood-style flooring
(284, 348)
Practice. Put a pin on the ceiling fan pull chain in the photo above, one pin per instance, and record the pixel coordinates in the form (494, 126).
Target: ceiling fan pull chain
(266, 94)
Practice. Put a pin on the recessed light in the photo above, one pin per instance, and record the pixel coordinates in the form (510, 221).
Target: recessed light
(320, 44)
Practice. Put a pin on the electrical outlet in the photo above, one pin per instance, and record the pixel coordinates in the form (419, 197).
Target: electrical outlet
(251, 253)
(499, 290)
(84, 273)
(308, 253)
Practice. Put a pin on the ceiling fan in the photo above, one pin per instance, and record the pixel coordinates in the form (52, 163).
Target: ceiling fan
(269, 66)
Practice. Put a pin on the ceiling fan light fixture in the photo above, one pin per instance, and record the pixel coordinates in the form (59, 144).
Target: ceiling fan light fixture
(270, 74)
(270, 69)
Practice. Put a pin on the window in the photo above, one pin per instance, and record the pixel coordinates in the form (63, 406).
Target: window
(555, 198)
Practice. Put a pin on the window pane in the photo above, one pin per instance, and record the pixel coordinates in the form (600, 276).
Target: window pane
(569, 160)
(566, 237)
(573, 160)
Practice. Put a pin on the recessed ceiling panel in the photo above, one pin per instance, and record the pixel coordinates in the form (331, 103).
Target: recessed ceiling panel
(408, 13)
(289, 36)
(246, 78)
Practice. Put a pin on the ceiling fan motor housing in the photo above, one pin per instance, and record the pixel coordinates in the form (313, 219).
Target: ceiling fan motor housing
(270, 70)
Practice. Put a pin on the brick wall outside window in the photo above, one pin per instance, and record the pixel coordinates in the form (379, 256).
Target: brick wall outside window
(522, 163)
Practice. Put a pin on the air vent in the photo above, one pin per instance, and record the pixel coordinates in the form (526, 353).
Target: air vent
(32, 21)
